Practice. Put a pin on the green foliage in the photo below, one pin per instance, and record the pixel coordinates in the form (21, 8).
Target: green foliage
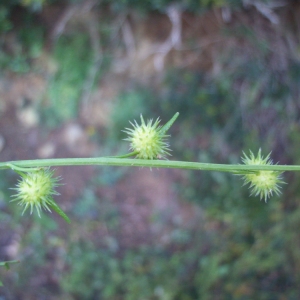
(162, 5)
(28, 44)
(33, 4)
(145, 272)
(7, 264)
(5, 24)
(73, 59)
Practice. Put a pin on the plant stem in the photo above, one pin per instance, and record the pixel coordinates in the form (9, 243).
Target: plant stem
(112, 161)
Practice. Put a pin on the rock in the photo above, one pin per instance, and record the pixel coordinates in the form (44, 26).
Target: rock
(47, 150)
(28, 116)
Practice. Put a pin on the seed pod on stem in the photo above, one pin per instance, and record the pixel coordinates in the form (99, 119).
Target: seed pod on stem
(35, 189)
(262, 183)
(149, 140)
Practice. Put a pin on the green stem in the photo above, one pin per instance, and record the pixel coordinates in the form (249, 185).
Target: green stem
(167, 126)
(112, 161)
(125, 155)
(16, 168)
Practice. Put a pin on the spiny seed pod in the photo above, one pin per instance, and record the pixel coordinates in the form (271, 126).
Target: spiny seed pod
(262, 183)
(148, 140)
(35, 190)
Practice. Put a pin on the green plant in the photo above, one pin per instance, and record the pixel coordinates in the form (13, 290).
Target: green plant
(65, 86)
(148, 142)
(7, 264)
(5, 24)
(162, 5)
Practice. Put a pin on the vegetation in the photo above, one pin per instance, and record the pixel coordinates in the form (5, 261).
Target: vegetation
(239, 247)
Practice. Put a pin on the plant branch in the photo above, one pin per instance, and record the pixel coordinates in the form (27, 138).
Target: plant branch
(122, 162)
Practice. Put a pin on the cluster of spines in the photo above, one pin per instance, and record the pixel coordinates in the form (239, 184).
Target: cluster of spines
(35, 190)
(148, 140)
(262, 183)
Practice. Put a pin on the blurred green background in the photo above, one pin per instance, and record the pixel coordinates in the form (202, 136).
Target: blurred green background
(72, 76)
